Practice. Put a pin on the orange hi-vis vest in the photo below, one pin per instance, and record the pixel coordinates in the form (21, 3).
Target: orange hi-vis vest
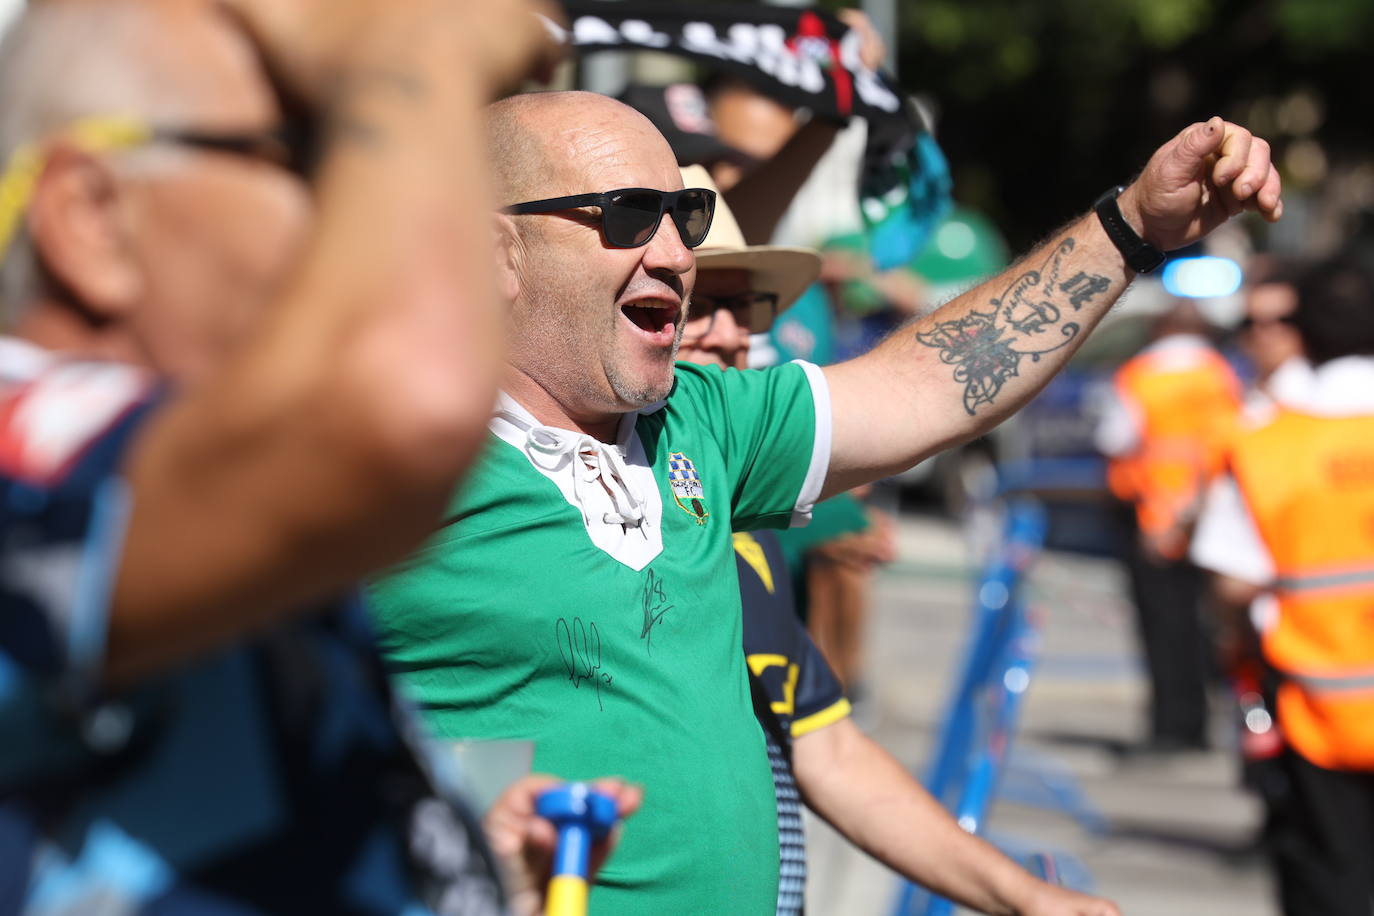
(1309, 484)
(1188, 405)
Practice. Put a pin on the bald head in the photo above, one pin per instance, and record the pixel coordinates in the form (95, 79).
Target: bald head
(547, 144)
(594, 326)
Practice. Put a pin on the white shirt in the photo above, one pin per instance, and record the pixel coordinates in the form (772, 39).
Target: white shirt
(1227, 540)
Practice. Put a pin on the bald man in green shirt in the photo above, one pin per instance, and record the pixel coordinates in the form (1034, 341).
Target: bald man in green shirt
(582, 591)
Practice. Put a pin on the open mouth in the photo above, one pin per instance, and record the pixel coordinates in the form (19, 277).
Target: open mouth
(656, 322)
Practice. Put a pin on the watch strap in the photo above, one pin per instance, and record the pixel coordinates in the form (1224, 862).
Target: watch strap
(1140, 255)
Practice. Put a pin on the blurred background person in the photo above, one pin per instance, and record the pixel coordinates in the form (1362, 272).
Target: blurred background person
(1164, 433)
(1268, 335)
(1294, 518)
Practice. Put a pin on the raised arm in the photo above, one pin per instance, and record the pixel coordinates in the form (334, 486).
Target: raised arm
(331, 442)
(955, 374)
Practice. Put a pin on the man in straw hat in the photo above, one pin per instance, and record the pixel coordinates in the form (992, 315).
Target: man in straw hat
(581, 591)
(816, 751)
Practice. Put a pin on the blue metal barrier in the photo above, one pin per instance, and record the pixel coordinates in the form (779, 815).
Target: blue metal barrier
(972, 753)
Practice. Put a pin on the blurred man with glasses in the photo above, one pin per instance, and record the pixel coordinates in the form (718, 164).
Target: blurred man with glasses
(241, 369)
(1268, 335)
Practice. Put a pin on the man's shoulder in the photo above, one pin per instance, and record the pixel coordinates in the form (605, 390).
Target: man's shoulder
(501, 482)
(711, 388)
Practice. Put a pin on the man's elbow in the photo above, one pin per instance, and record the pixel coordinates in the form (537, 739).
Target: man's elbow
(824, 754)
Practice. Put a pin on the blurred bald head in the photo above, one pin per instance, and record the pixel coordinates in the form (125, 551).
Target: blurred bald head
(158, 254)
(165, 60)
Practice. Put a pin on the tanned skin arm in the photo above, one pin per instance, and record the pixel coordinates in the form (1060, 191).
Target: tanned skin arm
(330, 444)
(868, 796)
(955, 374)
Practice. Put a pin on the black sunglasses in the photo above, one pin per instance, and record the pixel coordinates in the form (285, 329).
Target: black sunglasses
(631, 216)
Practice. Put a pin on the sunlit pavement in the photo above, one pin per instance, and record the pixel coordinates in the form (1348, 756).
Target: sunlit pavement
(1180, 830)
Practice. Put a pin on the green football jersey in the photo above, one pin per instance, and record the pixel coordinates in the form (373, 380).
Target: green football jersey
(584, 597)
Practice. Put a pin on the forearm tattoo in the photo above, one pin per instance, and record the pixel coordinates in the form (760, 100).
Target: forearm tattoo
(986, 348)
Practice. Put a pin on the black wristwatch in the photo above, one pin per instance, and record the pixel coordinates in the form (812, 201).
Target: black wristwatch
(1140, 255)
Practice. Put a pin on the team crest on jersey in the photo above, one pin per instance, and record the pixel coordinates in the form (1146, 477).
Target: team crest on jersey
(687, 490)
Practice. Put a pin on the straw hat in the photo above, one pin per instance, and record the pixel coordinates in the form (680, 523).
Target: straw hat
(786, 272)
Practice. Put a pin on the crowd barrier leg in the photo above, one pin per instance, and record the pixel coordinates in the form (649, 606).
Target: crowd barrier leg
(972, 750)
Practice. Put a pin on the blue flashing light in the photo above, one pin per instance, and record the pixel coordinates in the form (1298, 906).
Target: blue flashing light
(1202, 278)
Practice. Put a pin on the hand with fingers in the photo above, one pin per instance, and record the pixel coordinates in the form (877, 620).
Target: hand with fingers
(525, 843)
(872, 48)
(1208, 173)
(1051, 900)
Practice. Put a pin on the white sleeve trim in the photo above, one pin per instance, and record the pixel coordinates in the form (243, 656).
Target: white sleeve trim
(819, 468)
(1227, 541)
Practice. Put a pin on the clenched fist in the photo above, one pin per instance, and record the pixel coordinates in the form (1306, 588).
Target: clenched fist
(1208, 173)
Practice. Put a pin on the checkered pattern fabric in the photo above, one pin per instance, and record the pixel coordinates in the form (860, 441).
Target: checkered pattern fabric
(791, 838)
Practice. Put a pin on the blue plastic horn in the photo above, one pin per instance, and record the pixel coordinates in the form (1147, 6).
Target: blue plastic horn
(582, 816)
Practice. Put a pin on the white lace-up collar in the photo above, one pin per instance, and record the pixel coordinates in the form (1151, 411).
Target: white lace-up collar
(610, 484)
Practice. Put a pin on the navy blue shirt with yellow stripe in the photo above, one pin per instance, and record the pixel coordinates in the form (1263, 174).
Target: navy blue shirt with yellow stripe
(800, 691)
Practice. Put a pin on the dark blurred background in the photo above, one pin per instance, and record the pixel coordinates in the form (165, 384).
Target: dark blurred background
(1043, 104)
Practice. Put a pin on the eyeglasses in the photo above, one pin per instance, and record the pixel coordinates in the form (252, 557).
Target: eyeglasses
(292, 145)
(631, 216)
(1249, 322)
(750, 310)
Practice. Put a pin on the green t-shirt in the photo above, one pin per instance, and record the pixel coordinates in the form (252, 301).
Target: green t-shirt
(613, 656)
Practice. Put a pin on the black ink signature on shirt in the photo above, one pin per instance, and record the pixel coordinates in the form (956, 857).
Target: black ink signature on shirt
(655, 605)
(580, 646)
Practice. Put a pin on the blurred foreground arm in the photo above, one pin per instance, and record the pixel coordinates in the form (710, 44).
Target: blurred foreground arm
(865, 794)
(954, 374)
(329, 444)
